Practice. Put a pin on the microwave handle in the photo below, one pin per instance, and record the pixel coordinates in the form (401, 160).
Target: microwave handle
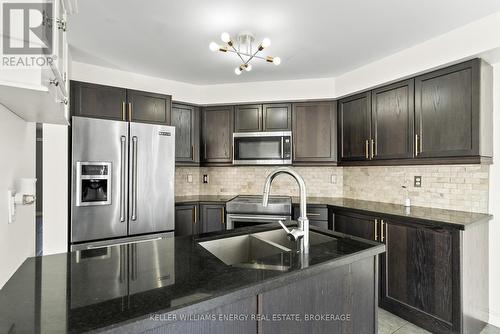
(282, 148)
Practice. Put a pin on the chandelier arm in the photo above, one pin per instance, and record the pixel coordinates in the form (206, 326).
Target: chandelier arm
(252, 56)
(238, 53)
(246, 54)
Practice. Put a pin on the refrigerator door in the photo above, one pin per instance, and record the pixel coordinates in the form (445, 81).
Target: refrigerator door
(151, 181)
(99, 179)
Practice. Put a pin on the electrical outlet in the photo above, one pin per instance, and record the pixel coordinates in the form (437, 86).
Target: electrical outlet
(205, 178)
(333, 179)
(417, 181)
(190, 178)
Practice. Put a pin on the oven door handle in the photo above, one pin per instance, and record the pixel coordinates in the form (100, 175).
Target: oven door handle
(256, 217)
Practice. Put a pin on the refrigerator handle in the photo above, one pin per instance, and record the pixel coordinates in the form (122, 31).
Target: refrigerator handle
(134, 178)
(122, 179)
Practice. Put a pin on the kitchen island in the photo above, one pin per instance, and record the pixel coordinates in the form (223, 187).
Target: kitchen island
(246, 281)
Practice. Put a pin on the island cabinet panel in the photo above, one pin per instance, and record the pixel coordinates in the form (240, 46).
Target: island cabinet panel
(277, 117)
(347, 290)
(212, 217)
(149, 107)
(354, 127)
(453, 111)
(420, 277)
(98, 101)
(186, 219)
(248, 118)
(186, 120)
(392, 120)
(217, 135)
(314, 132)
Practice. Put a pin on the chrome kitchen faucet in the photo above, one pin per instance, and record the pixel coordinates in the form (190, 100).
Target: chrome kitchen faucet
(301, 233)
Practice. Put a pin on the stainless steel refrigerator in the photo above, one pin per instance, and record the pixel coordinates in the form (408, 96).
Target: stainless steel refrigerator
(122, 181)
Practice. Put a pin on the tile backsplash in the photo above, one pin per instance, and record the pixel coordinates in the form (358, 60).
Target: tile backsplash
(320, 181)
(456, 187)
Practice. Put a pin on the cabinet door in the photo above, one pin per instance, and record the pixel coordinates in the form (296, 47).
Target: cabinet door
(217, 134)
(148, 107)
(98, 101)
(186, 219)
(248, 118)
(447, 112)
(354, 127)
(186, 121)
(212, 217)
(277, 117)
(419, 275)
(392, 121)
(314, 132)
(356, 225)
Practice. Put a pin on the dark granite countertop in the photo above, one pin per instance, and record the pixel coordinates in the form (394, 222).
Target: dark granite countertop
(433, 216)
(204, 198)
(108, 288)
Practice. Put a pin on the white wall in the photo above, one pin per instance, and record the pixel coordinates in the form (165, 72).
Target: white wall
(55, 189)
(495, 207)
(17, 147)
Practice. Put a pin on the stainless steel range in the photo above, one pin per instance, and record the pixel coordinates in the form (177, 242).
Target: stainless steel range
(245, 211)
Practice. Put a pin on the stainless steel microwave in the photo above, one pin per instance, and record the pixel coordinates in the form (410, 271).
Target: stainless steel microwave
(262, 148)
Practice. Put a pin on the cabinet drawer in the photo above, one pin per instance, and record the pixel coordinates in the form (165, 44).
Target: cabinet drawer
(313, 213)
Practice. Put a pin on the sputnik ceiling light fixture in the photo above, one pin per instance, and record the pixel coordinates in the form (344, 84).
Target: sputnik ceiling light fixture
(244, 50)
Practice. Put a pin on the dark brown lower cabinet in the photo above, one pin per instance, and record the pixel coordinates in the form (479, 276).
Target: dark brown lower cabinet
(186, 219)
(435, 277)
(212, 217)
(317, 215)
(420, 276)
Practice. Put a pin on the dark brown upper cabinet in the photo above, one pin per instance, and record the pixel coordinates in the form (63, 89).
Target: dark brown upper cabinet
(277, 117)
(392, 120)
(148, 107)
(217, 135)
(267, 117)
(98, 101)
(186, 119)
(453, 111)
(355, 127)
(314, 132)
(248, 118)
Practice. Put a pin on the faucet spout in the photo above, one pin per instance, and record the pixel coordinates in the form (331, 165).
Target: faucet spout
(303, 222)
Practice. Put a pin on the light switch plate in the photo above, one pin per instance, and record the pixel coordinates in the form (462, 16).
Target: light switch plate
(205, 178)
(333, 179)
(190, 178)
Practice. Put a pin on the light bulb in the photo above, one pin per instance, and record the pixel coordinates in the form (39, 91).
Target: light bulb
(213, 46)
(225, 37)
(248, 68)
(266, 42)
(237, 71)
(276, 60)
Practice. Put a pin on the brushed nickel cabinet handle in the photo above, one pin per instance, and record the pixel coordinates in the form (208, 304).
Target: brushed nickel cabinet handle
(130, 111)
(222, 216)
(313, 214)
(373, 148)
(195, 218)
(375, 229)
(382, 237)
(367, 154)
(416, 145)
(123, 111)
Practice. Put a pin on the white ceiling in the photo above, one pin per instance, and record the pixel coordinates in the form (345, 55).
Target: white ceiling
(314, 38)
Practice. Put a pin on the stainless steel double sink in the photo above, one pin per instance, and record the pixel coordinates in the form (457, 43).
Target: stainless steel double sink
(249, 250)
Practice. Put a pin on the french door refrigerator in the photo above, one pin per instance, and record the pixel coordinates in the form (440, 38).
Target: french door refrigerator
(122, 181)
